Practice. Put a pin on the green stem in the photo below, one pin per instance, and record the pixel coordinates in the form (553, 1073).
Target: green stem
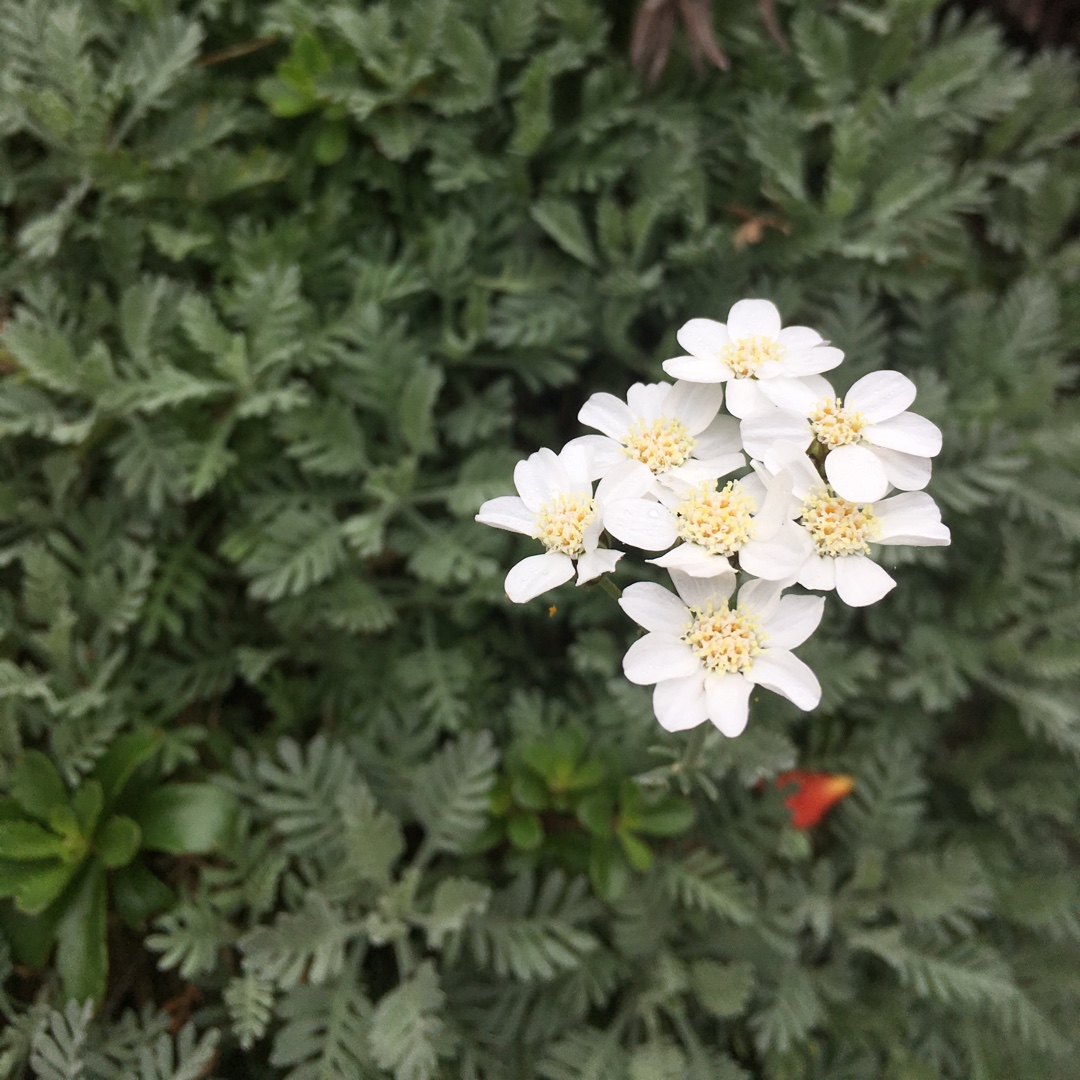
(609, 587)
(694, 745)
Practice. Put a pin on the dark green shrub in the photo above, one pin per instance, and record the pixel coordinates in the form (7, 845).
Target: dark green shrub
(287, 289)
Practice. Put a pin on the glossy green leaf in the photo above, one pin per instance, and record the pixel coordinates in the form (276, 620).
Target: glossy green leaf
(28, 840)
(528, 790)
(331, 142)
(137, 894)
(526, 832)
(667, 818)
(638, 853)
(36, 785)
(121, 760)
(40, 883)
(185, 818)
(609, 871)
(118, 841)
(88, 802)
(81, 954)
(596, 812)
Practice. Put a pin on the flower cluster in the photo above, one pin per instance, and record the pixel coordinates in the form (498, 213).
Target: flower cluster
(795, 486)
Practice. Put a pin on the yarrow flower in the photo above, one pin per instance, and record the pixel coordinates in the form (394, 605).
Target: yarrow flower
(673, 430)
(841, 530)
(869, 437)
(748, 518)
(556, 505)
(748, 350)
(706, 656)
(817, 497)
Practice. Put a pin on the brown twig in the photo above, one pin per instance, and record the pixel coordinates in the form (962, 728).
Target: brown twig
(233, 51)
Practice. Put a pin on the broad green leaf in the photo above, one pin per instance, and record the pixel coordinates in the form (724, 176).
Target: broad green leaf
(117, 842)
(638, 853)
(36, 785)
(526, 832)
(528, 789)
(40, 883)
(28, 840)
(186, 818)
(667, 818)
(137, 894)
(609, 871)
(121, 760)
(596, 811)
(87, 803)
(81, 955)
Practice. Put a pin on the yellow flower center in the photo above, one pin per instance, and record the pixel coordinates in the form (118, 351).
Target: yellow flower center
(725, 640)
(746, 355)
(661, 444)
(562, 521)
(834, 425)
(719, 521)
(839, 527)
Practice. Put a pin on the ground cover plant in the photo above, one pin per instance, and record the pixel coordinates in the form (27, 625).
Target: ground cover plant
(291, 789)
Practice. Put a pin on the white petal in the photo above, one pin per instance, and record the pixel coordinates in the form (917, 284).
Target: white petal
(799, 363)
(608, 414)
(911, 518)
(792, 457)
(776, 506)
(860, 581)
(880, 394)
(744, 398)
(753, 318)
(818, 572)
(797, 395)
(778, 559)
(642, 522)
(698, 592)
(648, 401)
(703, 337)
(532, 478)
(719, 439)
(695, 561)
(695, 404)
(856, 474)
(799, 337)
(785, 674)
(761, 431)
(761, 597)
(629, 479)
(508, 512)
(576, 458)
(655, 608)
(693, 472)
(727, 698)
(909, 433)
(536, 574)
(594, 563)
(796, 618)
(657, 657)
(679, 704)
(697, 369)
(604, 453)
(904, 471)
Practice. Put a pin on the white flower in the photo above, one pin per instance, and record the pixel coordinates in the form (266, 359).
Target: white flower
(842, 530)
(674, 430)
(749, 348)
(872, 441)
(557, 506)
(749, 518)
(705, 657)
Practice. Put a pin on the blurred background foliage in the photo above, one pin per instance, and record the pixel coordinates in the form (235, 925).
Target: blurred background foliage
(291, 790)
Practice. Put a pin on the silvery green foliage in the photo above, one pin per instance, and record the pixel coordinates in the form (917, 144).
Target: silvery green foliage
(285, 290)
